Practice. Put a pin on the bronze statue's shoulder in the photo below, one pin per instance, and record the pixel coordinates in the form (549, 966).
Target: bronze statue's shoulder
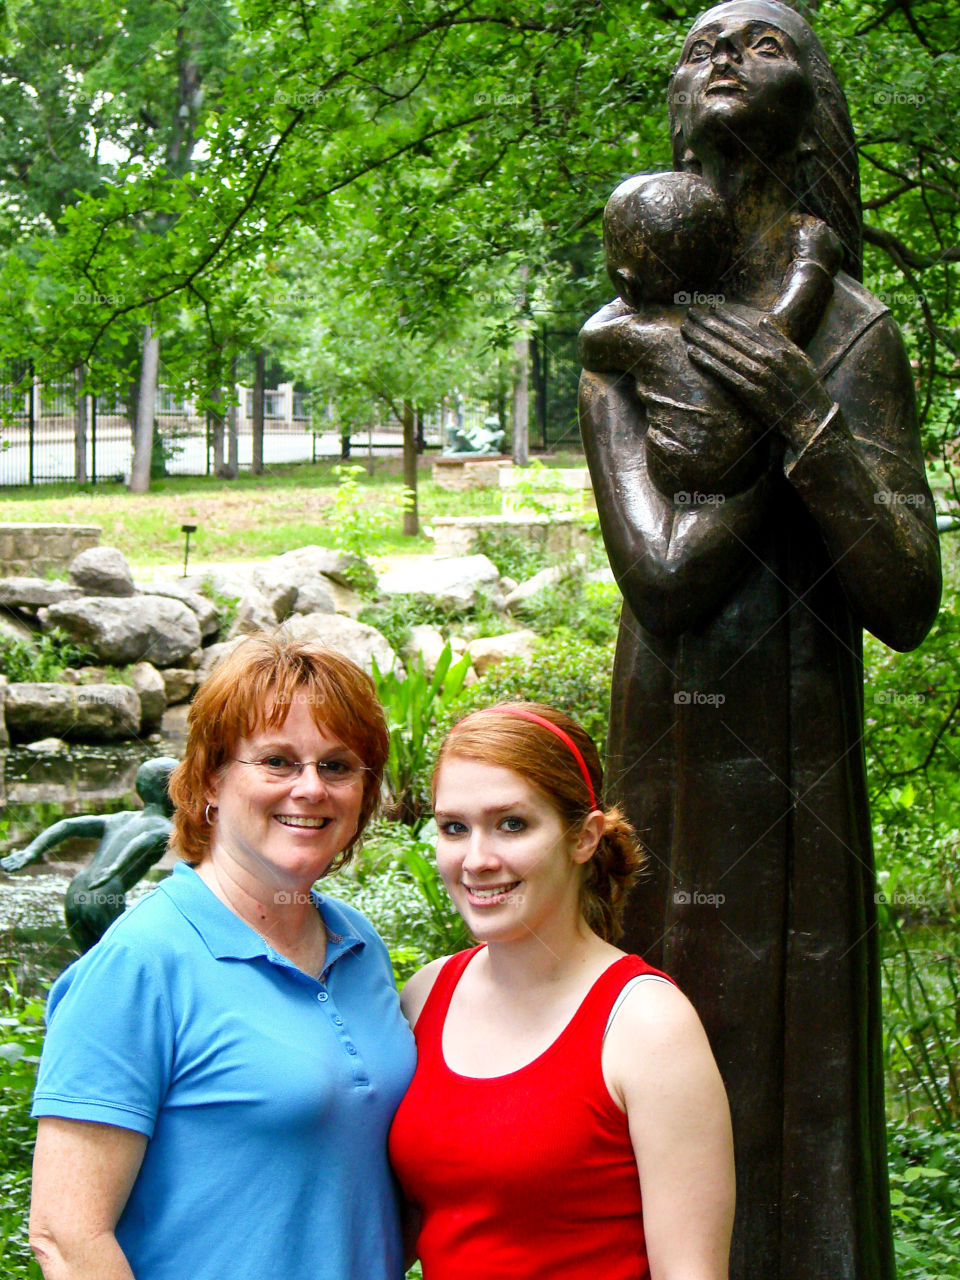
(850, 313)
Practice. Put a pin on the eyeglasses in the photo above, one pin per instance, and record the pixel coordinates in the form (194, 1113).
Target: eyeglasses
(332, 773)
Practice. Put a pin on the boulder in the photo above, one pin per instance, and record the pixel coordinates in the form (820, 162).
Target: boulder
(214, 653)
(179, 684)
(47, 747)
(16, 628)
(281, 597)
(254, 613)
(539, 582)
(107, 712)
(35, 593)
(204, 609)
(316, 597)
(490, 650)
(143, 628)
(94, 712)
(304, 563)
(151, 689)
(454, 581)
(345, 599)
(355, 640)
(428, 643)
(102, 571)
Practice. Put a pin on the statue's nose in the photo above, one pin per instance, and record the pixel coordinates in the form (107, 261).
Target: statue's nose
(725, 51)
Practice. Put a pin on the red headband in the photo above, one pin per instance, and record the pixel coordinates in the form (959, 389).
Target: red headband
(558, 733)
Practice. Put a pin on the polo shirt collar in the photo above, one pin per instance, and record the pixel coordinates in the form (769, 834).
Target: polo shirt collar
(230, 938)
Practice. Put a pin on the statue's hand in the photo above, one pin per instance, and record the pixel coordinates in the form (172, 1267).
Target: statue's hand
(14, 861)
(770, 375)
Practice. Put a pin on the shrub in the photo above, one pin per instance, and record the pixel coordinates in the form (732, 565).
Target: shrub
(43, 659)
(21, 1038)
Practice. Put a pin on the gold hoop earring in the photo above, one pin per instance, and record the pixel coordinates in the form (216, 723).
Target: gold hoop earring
(206, 816)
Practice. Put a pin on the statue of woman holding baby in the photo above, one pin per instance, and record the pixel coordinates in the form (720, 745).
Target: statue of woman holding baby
(761, 490)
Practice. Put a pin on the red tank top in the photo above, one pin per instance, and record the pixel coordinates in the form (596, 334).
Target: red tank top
(528, 1174)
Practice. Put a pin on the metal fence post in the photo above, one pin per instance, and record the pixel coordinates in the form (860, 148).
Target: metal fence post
(31, 421)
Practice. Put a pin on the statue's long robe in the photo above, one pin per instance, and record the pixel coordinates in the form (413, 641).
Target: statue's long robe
(736, 750)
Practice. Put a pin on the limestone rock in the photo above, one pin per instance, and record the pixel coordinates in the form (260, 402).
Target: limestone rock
(204, 609)
(304, 563)
(254, 613)
(316, 597)
(214, 653)
(490, 650)
(457, 580)
(102, 571)
(121, 631)
(345, 599)
(428, 643)
(179, 684)
(151, 689)
(11, 625)
(355, 640)
(35, 593)
(95, 712)
(47, 746)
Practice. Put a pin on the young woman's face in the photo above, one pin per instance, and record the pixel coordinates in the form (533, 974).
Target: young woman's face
(507, 857)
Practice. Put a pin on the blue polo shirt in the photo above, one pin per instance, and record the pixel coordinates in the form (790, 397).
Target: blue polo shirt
(266, 1095)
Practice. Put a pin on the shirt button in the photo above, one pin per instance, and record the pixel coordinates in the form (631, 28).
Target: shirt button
(337, 1020)
(351, 1048)
(322, 995)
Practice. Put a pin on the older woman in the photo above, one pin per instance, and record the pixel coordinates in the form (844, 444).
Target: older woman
(221, 1070)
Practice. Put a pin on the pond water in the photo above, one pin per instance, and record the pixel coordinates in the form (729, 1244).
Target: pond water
(37, 790)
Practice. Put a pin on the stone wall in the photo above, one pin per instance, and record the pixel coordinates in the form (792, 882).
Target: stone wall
(32, 550)
(456, 535)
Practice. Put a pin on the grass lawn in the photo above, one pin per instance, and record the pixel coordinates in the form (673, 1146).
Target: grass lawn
(251, 516)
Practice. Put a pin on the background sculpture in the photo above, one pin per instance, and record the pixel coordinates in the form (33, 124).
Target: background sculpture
(736, 729)
(130, 844)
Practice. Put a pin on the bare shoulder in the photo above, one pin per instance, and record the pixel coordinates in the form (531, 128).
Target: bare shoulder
(656, 1043)
(416, 989)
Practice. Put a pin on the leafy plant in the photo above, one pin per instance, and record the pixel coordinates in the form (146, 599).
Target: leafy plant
(515, 557)
(225, 605)
(925, 1200)
(355, 524)
(42, 659)
(413, 702)
(21, 1039)
(574, 607)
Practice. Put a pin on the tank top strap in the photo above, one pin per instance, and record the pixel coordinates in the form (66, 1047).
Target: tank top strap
(590, 1021)
(429, 1026)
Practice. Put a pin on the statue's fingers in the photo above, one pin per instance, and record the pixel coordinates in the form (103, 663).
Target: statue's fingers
(727, 374)
(727, 352)
(744, 339)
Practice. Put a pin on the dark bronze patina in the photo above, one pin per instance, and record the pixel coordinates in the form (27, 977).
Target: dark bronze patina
(736, 730)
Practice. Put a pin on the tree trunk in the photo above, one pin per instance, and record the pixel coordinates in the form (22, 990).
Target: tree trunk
(233, 438)
(80, 427)
(146, 406)
(217, 424)
(411, 518)
(259, 379)
(521, 403)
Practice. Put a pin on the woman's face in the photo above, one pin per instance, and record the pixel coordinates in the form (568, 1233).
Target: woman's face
(740, 81)
(506, 855)
(284, 832)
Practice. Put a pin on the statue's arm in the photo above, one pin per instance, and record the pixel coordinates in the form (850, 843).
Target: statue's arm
(615, 339)
(86, 826)
(852, 454)
(674, 565)
(860, 474)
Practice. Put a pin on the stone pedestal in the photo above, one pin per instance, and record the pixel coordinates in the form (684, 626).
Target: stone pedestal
(462, 473)
(32, 550)
(456, 535)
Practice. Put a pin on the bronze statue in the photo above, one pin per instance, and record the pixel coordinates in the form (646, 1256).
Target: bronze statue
(736, 728)
(130, 843)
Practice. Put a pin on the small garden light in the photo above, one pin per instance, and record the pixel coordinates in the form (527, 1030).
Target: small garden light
(187, 530)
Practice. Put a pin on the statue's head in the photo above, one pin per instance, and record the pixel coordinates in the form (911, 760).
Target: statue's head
(153, 778)
(665, 235)
(753, 82)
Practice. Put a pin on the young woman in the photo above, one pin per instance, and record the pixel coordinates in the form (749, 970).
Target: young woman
(566, 1118)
